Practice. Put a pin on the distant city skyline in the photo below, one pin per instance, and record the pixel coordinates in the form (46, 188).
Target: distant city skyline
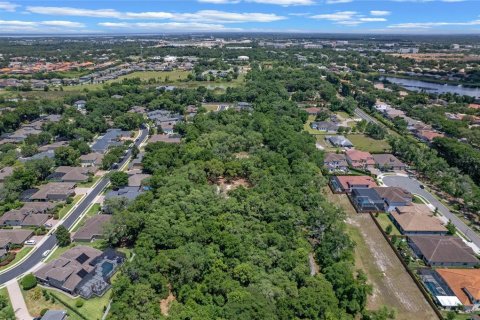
(310, 16)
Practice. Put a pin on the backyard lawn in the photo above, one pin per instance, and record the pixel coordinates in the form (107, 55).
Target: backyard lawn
(67, 207)
(364, 143)
(92, 308)
(384, 221)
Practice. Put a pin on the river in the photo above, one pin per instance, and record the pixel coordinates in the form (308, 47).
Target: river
(418, 85)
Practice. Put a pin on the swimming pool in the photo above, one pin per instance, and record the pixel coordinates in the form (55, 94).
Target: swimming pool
(107, 268)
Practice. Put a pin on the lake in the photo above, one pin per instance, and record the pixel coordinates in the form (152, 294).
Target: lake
(417, 85)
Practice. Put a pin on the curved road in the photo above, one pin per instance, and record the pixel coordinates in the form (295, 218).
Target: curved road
(413, 186)
(36, 256)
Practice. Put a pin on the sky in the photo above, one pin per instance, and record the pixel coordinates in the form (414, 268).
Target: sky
(311, 16)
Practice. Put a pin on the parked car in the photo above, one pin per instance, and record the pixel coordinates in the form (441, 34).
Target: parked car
(46, 253)
(422, 186)
(30, 242)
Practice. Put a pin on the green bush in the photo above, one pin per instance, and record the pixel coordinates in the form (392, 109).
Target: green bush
(29, 282)
(389, 229)
(79, 303)
(42, 313)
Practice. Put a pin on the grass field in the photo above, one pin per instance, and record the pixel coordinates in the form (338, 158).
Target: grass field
(91, 309)
(392, 286)
(88, 184)
(385, 221)
(162, 76)
(67, 207)
(22, 253)
(364, 143)
(92, 211)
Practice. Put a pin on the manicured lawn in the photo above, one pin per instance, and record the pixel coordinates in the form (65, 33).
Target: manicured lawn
(91, 309)
(88, 184)
(22, 253)
(157, 75)
(58, 252)
(67, 207)
(417, 199)
(384, 221)
(364, 143)
(92, 211)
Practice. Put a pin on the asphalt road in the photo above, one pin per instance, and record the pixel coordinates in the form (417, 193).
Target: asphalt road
(34, 258)
(362, 114)
(413, 186)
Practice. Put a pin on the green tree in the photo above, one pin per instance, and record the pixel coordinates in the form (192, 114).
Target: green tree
(67, 156)
(63, 236)
(118, 179)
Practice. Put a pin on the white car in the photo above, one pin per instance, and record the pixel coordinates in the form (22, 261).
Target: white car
(30, 242)
(46, 253)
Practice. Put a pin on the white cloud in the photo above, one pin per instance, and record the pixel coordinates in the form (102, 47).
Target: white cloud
(61, 23)
(204, 16)
(372, 19)
(337, 16)
(8, 6)
(380, 13)
(18, 23)
(167, 26)
(337, 1)
(428, 25)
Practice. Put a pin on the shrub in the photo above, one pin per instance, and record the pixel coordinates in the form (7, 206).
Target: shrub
(69, 200)
(42, 313)
(29, 282)
(79, 303)
(389, 229)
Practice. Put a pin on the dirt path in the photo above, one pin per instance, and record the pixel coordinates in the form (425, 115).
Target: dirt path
(392, 286)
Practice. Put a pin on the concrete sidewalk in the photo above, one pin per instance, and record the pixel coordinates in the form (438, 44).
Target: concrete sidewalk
(18, 303)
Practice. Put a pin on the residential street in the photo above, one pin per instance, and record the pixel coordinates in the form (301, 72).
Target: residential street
(413, 186)
(36, 256)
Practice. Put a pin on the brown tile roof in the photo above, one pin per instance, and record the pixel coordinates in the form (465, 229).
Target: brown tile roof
(93, 228)
(356, 156)
(335, 157)
(15, 236)
(347, 182)
(136, 179)
(24, 219)
(74, 173)
(461, 280)
(164, 138)
(5, 172)
(394, 194)
(54, 188)
(387, 160)
(417, 217)
(429, 135)
(449, 249)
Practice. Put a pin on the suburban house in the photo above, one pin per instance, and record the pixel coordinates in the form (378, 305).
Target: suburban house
(324, 126)
(313, 111)
(52, 146)
(72, 174)
(417, 219)
(335, 162)
(110, 139)
(41, 155)
(428, 135)
(136, 180)
(345, 184)
(81, 270)
(80, 104)
(339, 141)
(92, 229)
(93, 159)
(438, 288)
(359, 159)
(465, 283)
(137, 162)
(129, 193)
(167, 138)
(16, 218)
(367, 200)
(54, 191)
(167, 127)
(55, 315)
(388, 162)
(14, 236)
(443, 251)
(394, 197)
(5, 173)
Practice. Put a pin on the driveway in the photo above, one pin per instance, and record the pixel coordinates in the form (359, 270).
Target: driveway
(413, 186)
(18, 303)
